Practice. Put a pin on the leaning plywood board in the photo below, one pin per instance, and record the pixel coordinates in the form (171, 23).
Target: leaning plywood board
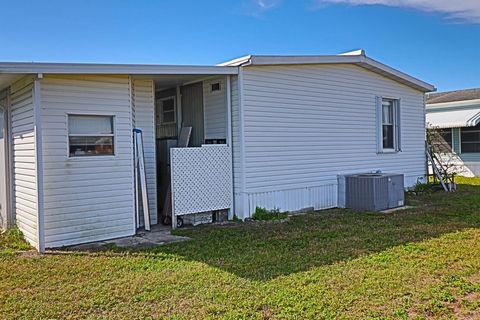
(140, 161)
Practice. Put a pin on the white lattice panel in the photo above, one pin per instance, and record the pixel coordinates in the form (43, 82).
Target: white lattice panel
(201, 179)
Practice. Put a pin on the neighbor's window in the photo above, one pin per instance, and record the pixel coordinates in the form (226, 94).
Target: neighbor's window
(90, 135)
(167, 106)
(470, 139)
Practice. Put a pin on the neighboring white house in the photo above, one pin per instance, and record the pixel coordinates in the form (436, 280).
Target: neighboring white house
(456, 116)
(268, 131)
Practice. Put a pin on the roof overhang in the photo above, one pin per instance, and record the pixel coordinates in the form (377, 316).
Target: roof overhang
(453, 118)
(132, 69)
(12, 71)
(356, 57)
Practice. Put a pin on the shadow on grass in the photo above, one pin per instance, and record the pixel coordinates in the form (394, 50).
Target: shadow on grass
(262, 251)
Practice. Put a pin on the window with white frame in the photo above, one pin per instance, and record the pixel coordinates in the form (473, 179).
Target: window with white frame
(389, 125)
(168, 110)
(90, 135)
(470, 138)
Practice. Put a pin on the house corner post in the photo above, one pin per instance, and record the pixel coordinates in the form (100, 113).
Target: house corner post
(37, 115)
(231, 211)
(244, 197)
(9, 162)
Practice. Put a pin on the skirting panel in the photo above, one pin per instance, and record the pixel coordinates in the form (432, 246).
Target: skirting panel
(318, 197)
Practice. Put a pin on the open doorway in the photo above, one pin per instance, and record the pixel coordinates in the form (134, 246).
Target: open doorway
(202, 106)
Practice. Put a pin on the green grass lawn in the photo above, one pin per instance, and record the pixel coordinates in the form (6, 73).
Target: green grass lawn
(421, 263)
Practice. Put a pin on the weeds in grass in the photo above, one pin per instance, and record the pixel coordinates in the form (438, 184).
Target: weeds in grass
(262, 214)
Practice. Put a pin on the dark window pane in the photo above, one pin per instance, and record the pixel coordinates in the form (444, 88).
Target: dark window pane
(470, 147)
(216, 86)
(471, 136)
(168, 105)
(90, 146)
(2, 121)
(168, 117)
(388, 136)
(441, 140)
(470, 139)
(446, 136)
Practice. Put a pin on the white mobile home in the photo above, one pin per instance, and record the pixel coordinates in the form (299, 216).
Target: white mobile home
(267, 131)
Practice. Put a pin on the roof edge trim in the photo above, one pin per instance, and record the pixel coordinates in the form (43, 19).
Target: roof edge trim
(357, 57)
(89, 68)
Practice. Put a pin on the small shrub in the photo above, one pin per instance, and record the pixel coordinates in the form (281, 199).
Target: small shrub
(262, 214)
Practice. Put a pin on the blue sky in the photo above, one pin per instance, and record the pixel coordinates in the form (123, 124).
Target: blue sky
(431, 39)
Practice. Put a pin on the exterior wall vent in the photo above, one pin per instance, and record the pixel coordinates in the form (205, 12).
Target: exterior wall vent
(374, 191)
(215, 87)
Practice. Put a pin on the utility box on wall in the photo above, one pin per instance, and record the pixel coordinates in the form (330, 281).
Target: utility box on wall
(374, 191)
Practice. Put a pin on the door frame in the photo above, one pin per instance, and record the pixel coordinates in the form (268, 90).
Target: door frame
(6, 159)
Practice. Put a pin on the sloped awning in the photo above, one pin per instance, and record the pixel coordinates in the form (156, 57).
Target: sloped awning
(453, 119)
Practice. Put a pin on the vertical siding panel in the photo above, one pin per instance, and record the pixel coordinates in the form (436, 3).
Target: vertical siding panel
(192, 112)
(86, 199)
(215, 110)
(236, 149)
(144, 104)
(24, 173)
(306, 124)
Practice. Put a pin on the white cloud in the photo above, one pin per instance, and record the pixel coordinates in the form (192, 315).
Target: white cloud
(258, 7)
(266, 4)
(466, 10)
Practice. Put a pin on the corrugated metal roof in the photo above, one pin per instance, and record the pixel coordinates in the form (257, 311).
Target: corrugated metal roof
(453, 118)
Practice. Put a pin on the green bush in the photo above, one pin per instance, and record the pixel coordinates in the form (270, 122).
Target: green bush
(262, 214)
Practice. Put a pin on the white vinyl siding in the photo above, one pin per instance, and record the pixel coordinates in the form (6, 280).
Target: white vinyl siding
(144, 106)
(5, 213)
(86, 198)
(215, 109)
(24, 170)
(306, 124)
(236, 149)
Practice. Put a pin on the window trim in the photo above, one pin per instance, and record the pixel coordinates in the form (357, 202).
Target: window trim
(161, 100)
(460, 140)
(92, 157)
(397, 131)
